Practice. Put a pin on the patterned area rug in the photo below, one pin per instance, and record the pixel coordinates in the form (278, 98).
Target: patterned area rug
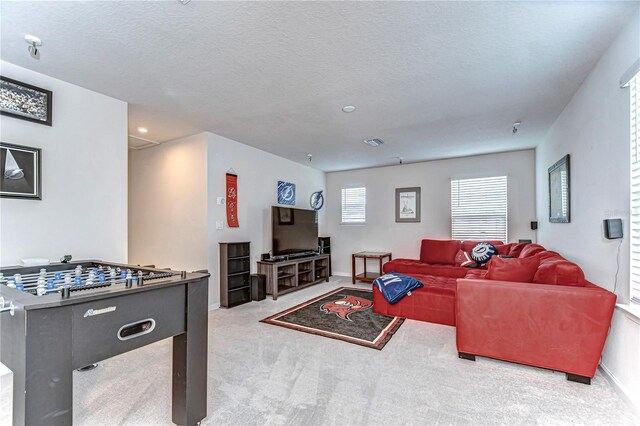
(344, 314)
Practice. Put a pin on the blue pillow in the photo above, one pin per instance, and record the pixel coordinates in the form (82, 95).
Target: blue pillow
(482, 252)
(395, 286)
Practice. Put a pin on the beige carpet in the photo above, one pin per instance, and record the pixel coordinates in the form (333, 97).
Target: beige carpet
(260, 374)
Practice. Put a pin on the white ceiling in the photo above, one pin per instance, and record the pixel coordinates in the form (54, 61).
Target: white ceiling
(433, 79)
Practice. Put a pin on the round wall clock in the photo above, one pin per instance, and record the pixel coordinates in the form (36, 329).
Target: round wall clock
(316, 200)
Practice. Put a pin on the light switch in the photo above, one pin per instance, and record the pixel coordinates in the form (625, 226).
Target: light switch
(220, 201)
(219, 224)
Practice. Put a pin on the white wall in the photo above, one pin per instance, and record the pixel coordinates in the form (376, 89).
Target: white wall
(381, 233)
(594, 129)
(258, 174)
(83, 210)
(168, 204)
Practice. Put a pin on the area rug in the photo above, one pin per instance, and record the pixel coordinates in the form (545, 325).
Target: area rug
(343, 314)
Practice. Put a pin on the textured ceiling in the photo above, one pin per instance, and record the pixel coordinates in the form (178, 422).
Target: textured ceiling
(433, 79)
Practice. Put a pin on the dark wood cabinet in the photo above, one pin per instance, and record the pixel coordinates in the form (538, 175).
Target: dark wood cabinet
(235, 274)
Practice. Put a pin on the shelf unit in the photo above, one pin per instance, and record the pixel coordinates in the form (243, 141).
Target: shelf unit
(291, 275)
(324, 247)
(235, 274)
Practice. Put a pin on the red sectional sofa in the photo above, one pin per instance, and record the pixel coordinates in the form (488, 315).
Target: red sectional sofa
(558, 321)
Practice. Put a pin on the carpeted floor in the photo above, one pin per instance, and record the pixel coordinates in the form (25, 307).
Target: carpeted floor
(261, 374)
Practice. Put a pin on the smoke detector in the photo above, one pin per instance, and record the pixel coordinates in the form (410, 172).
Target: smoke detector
(374, 142)
(348, 108)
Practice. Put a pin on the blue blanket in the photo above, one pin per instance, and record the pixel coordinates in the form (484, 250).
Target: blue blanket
(394, 286)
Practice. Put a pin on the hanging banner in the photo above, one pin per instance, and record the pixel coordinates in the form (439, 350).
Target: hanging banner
(232, 201)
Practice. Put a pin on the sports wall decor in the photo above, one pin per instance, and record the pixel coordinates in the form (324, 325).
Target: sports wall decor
(286, 193)
(24, 101)
(232, 200)
(20, 171)
(317, 200)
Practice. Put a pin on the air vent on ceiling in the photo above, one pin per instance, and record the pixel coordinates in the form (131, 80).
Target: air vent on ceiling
(141, 143)
(374, 142)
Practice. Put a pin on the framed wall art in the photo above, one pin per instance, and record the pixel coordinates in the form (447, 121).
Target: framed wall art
(286, 193)
(408, 204)
(560, 191)
(20, 172)
(24, 101)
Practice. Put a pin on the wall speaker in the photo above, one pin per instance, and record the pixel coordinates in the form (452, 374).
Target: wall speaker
(534, 225)
(612, 229)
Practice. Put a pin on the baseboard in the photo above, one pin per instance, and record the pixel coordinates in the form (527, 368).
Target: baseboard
(214, 306)
(341, 274)
(618, 386)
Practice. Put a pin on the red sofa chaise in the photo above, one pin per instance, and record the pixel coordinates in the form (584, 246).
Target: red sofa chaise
(559, 321)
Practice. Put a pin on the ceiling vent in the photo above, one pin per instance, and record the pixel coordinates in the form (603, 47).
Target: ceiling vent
(374, 142)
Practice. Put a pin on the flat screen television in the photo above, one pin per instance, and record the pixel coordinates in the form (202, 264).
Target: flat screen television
(293, 230)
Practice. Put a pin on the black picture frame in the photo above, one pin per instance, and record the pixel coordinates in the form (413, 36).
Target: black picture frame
(560, 191)
(28, 184)
(9, 86)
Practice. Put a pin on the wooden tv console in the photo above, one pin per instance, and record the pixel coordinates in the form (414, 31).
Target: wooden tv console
(295, 274)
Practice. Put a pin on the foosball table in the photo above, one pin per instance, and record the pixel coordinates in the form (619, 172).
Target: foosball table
(64, 316)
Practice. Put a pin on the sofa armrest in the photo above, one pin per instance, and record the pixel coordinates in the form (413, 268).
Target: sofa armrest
(558, 327)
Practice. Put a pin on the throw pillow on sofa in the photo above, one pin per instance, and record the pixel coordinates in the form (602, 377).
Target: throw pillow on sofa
(482, 252)
(440, 252)
(513, 269)
(464, 259)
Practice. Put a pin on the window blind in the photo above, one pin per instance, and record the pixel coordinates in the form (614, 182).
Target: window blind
(634, 108)
(479, 209)
(354, 201)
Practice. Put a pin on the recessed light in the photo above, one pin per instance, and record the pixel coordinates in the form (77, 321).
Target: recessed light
(374, 142)
(143, 130)
(348, 108)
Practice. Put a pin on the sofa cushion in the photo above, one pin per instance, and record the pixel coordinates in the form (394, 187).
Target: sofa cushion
(414, 266)
(476, 274)
(557, 270)
(516, 249)
(503, 248)
(531, 250)
(439, 251)
(513, 269)
(463, 259)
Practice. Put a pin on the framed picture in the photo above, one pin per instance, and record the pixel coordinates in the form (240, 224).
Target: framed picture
(20, 171)
(286, 193)
(560, 191)
(24, 101)
(408, 204)
(285, 216)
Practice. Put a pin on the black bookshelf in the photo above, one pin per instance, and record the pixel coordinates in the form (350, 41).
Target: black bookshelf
(235, 274)
(324, 247)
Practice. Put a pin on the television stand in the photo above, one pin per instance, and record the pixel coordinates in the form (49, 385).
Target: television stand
(294, 274)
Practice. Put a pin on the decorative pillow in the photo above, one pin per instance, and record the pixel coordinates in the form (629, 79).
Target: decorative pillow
(469, 245)
(482, 252)
(513, 269)
(439, 252)
(464, 259)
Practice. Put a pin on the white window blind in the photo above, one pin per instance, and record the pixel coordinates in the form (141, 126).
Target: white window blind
(354, 202)
(479, 209)
(634, 97)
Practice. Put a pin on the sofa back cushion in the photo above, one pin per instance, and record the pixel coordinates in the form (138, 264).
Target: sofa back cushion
(439, 251)
(516, 249)
(513, 269)
(557, 270)
(531, 250)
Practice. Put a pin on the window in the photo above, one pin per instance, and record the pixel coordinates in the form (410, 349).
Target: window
(354, 201)
(479, 209)
(634, 97)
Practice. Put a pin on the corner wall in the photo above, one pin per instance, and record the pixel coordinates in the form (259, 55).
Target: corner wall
(594, 130)
(382, 233)
(168, 204)
(83, 211)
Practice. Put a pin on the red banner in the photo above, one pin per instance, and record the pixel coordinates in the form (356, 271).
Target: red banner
(232, 201)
